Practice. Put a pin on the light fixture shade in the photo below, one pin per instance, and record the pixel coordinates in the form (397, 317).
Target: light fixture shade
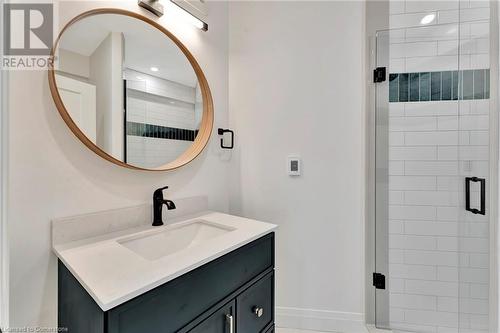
(192, 18)
(154, 6)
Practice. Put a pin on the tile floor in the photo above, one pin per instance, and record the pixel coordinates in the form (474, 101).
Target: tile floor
(293, 330)
(370, 329)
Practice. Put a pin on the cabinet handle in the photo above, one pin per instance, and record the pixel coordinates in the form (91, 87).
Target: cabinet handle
(258, 311)
(230, 323)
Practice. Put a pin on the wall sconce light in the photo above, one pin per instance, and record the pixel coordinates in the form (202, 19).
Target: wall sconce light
(188, 16)
(154, 6)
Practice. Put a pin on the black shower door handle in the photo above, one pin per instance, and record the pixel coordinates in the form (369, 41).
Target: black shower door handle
(482, 181)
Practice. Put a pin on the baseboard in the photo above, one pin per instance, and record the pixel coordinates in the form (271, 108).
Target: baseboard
(320, 320)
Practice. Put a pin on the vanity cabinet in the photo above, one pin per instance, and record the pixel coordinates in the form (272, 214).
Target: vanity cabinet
(231, 294)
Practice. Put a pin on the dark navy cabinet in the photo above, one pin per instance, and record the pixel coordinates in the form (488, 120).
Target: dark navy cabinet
(232, 294)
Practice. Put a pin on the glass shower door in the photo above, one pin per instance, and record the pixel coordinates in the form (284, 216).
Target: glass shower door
(432, 170)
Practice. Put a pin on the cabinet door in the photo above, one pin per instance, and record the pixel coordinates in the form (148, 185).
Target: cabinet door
(222, 321)
(256, 306)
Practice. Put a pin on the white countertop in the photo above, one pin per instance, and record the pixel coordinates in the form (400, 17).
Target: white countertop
(113, 274)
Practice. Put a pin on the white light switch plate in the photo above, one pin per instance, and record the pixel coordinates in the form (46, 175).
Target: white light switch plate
(294, 165)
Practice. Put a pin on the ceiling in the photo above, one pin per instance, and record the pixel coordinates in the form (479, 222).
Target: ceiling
(145, 46)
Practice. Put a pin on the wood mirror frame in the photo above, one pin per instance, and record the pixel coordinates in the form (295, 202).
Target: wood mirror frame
(206, 125)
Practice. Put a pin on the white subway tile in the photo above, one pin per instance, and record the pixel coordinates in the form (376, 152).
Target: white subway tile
(432, 317)
(431, 138)
(410, 19)
(432, 198)
(396, 197)
(474, 153)
(448, 153)
(463, 259)
(415, 272)
(479, 3)
(479, 61)
(447, 273)
(479, 107)
(448, 214)
(426, 228)
(474, 245)
(431, 168)
(447, 244)
(447, 304)
(442, 108)
(476, 168)
(474, 123)
(464, 138)
(477, 229)
(478, 260)
(474, 275)
(448, 47)
(479, 322)
(447, 183)
(396, 7)
(408, 153)
(448, 123)
(396, 256)
(412, 242)
(433, 288)
(435, 33)
(412, 183)
(396, 227)
(412, 124)
(417, 49)
(474, 306)
(401, 327)
(479, 30)
(396, 168)
(448, 16)
(396, 138)
(396, 109)
(397, 314)
(412, 212)
(467, 46)
(479, 290)
(475, 14)
(396, 285)
(421, 6)
(421, 257)
(397, 65)
(431, 64)
(417, 302)
(479, 138)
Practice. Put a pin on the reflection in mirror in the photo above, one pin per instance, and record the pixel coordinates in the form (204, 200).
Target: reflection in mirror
(129, 89)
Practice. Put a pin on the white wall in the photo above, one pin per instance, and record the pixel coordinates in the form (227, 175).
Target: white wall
(52, 174)
(74, 63)
(296, 87)
(106, 73)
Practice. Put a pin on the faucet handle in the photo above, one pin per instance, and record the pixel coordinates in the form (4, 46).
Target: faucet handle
(170, 204)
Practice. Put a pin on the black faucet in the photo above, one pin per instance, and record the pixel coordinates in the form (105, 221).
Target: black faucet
(158, 203)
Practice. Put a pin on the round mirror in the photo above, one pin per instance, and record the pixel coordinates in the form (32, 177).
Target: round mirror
(130, 90)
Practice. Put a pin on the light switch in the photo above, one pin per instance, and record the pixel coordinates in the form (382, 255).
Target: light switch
(294, 165)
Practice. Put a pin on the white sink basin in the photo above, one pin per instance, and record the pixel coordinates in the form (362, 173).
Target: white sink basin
(172, 239)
